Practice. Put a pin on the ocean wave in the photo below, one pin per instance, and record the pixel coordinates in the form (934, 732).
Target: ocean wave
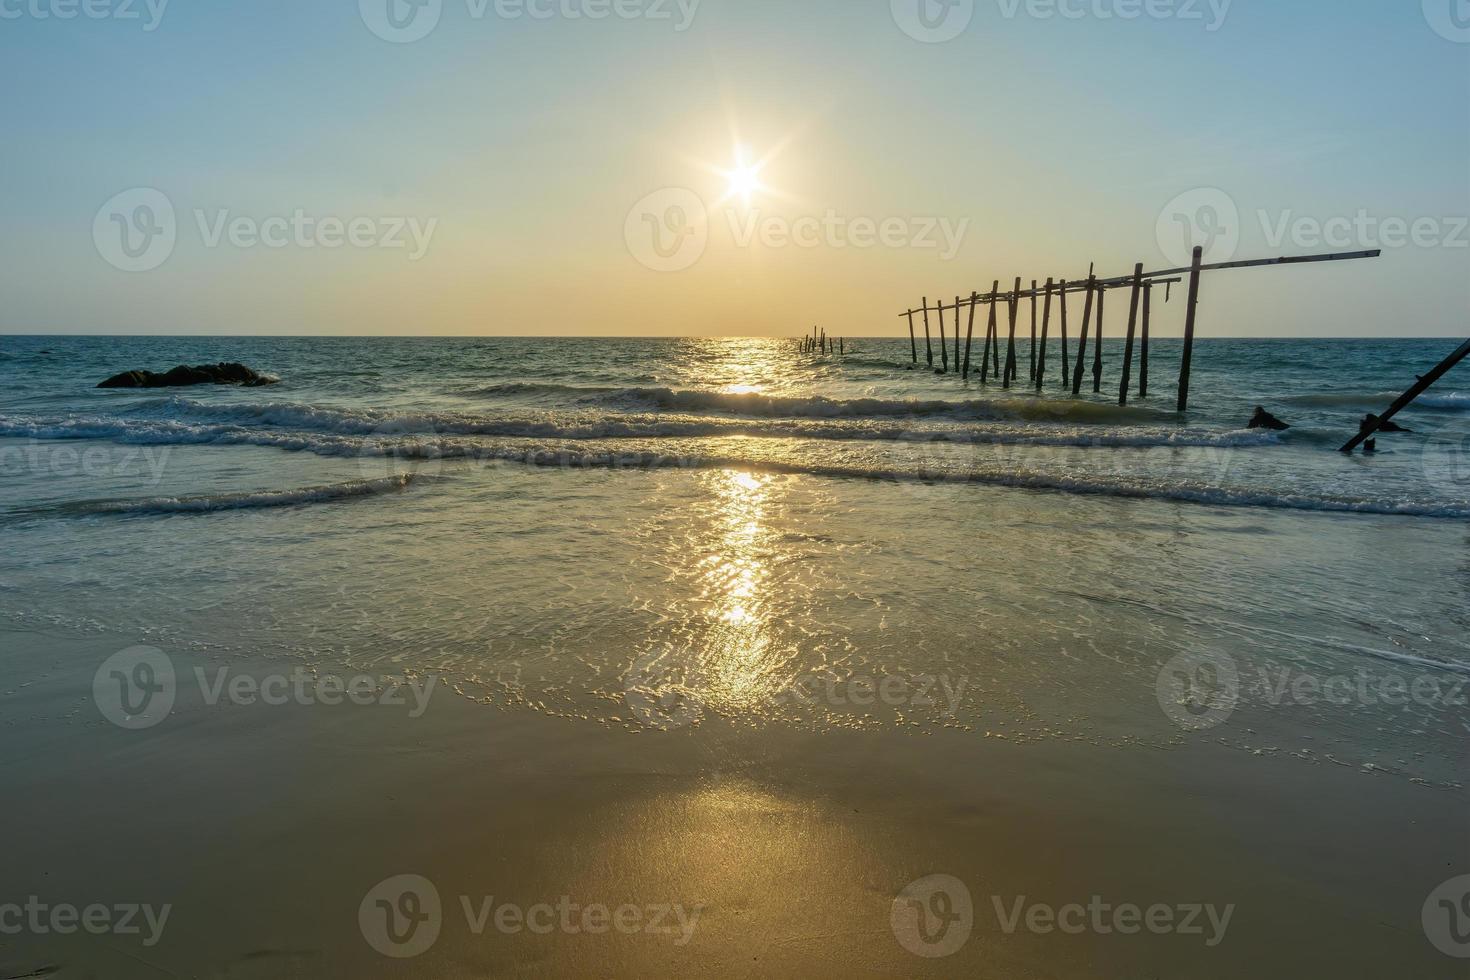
(196, 422)
(1451, 401)
(240, 501)
(440, 448)
(758, 405)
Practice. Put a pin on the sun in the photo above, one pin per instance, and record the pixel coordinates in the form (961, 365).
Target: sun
(743, 179)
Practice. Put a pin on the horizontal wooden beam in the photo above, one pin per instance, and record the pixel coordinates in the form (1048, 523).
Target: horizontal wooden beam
(1162, 276)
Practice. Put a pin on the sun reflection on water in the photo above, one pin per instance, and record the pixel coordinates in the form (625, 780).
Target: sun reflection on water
(739, 667)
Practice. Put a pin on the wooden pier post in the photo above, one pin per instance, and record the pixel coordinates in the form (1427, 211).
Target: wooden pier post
(913, 343)
(1032, 375)
(928, 345)
(1190, 309)
(943, 347)
(1045, 327)
(1097, 344)
(1066, 376)
(1015, 308)
(1148, 294)
(1082, 340)
(969, 336)
(1132, 330)
(990, 335)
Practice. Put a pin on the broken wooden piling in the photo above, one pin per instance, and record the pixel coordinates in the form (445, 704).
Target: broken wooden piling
(1132, 330)
(1191, 307)
(1404, 400)
(1082, 339)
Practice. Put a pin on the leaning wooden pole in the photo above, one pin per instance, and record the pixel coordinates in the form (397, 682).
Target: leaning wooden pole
(1097, 345)
(969, 336)
(1132, 332)
(1148, 294)
(1421, 386)
(1045, 326)
(913, 342)
(1191, 309)
(989, 335)
(928, 344)
(1082, 339)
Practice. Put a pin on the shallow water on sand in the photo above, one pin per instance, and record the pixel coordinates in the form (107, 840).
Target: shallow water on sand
(654, 534)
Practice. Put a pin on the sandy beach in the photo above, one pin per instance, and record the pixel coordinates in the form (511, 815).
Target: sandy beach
(263, 829)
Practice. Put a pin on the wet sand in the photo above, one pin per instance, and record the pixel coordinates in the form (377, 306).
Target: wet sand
(264, 829)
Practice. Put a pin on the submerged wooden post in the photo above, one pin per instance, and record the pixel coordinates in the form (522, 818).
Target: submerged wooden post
(943, 347)
(913, 343)
(990, 336)
(1132, 330)
(1082, 340)
(969, 336)
(1065, 375)
(1190, 309)
(1032, 375)
(1148, 295)
(1097, 344)
(1045, 326)
(1407, 397)
(1014, 304)
(928, 345)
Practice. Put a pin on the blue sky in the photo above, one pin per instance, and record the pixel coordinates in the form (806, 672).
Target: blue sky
(521, 148)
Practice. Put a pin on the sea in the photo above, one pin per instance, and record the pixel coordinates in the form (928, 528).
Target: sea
(660, 533)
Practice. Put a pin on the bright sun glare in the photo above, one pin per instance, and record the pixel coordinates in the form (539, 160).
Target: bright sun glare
(744, 179)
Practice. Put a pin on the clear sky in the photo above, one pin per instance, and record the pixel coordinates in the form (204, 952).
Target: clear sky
(560, 174)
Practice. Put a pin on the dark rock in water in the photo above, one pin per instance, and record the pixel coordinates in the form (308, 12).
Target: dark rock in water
(181, 376)
(1265, 420)
(1389, 426)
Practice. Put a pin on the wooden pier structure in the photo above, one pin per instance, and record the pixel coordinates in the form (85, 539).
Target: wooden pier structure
(1054, 293)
